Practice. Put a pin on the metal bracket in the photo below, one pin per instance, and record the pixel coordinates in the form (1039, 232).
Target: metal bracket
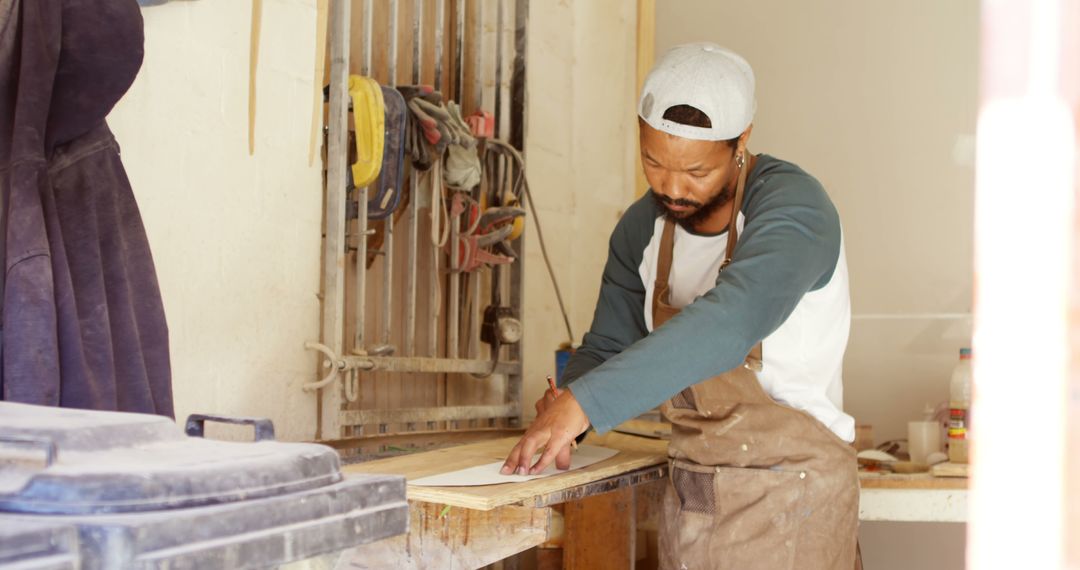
(336, 363)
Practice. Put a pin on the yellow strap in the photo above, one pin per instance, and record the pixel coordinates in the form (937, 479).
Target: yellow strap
(369, 117)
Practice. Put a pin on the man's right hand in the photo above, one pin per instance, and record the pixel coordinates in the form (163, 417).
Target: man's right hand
(562, 460)
(546, 400)
(552, 431)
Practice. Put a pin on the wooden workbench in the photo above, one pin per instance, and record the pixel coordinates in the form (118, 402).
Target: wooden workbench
(586, 519)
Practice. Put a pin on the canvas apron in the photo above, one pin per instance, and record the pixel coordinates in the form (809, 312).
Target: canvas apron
(754, 484)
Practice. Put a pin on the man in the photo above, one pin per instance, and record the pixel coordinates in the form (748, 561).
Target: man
(740, 258)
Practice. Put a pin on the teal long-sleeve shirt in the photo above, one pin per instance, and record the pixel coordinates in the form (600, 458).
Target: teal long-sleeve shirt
(789, 246)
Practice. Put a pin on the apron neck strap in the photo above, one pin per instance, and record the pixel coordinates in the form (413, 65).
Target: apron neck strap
(736, 207)
(663, 268)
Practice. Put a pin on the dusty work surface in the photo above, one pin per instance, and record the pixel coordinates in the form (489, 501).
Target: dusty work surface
(635, 453)
(910, 481)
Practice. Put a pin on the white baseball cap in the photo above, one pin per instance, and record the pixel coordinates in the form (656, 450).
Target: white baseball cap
(716, 81)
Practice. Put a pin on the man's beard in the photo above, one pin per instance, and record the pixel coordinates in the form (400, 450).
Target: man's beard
(690, 220)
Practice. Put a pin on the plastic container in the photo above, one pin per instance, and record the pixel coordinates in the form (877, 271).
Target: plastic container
(960, 408)
(924, 437)
(562, 357)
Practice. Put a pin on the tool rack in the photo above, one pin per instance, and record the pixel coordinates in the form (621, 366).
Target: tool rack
(401, 362)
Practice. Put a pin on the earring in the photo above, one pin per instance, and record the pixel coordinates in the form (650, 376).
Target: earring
(739, 160)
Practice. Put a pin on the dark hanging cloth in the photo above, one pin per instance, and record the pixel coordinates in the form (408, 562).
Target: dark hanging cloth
(82, 320)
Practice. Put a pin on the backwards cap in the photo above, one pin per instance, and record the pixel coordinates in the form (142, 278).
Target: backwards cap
(716, 81)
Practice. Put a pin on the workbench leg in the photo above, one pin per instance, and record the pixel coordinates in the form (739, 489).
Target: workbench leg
(649, 501)
(549, 558)
(600, 531)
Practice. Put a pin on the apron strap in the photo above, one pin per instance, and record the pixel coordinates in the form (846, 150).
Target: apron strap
(754, 359)
(733, 228)
(663, 268)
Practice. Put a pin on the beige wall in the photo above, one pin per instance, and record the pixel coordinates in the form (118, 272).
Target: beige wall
(235, 238)
(581, 141)
(878, 100)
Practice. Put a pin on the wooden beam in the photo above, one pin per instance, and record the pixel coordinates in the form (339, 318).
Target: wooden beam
(407, 415)
(333, 299)
(425, 437)
(430, 365)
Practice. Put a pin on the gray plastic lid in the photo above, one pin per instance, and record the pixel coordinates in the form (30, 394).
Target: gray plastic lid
(64, 461)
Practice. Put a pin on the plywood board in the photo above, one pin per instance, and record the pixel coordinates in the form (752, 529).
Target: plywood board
(950, 470)
(490, 473)
(634, 453)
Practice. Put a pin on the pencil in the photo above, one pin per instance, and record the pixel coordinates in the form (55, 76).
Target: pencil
(554, 390)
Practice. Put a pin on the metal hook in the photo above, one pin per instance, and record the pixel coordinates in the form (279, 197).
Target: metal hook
(335, 363)
(352, 386)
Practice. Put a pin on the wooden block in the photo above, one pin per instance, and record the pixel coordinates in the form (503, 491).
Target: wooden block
(908, 467)
(949, 470)
(600, 532)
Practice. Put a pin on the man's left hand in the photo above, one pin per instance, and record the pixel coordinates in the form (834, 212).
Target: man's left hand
(557, 425)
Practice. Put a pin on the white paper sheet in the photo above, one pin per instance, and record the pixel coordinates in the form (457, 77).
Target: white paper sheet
(488, 474)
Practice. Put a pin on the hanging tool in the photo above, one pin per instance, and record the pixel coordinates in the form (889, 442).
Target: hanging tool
(483, 232)
(387, 195)
(501, 324)
(369, 120)
(519, 189)
(422, 128)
